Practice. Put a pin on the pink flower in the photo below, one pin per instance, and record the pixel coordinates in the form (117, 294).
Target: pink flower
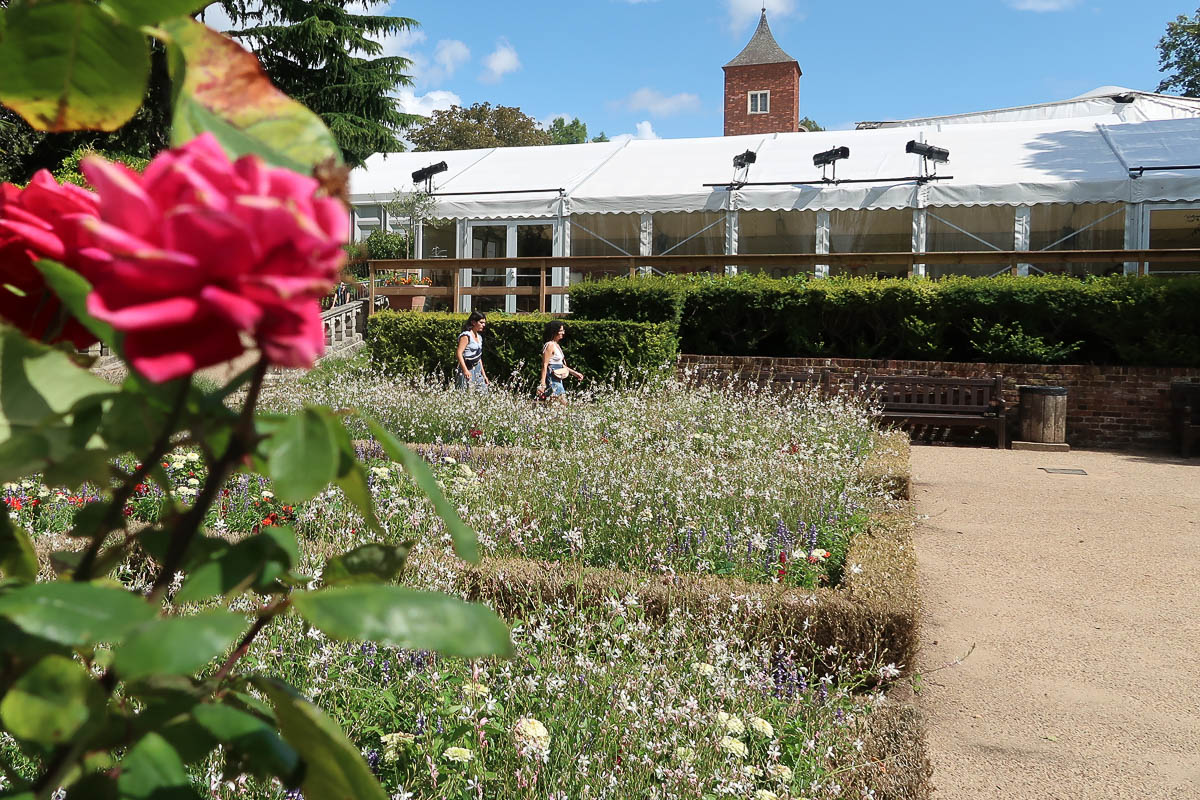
(34, 225)
(197, 254)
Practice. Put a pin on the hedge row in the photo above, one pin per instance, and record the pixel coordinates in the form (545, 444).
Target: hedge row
(1118, 320)
(601, 350)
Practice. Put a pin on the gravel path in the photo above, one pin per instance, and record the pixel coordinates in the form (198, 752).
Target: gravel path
(1081, 597)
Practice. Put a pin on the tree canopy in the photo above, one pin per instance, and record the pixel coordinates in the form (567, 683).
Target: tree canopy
(480, 125)
(330, 59)
(1179, 56)
(809, 125)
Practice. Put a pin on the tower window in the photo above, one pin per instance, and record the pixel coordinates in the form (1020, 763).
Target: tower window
(760, 102)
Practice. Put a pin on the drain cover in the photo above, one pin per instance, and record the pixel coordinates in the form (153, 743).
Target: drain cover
(1060, 471)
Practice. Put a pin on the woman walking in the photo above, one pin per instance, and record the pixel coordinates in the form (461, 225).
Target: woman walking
(470, 355)
(554, 364)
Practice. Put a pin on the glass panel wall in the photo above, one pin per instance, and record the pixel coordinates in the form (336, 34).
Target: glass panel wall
(768, 232)
(604, 235)
(1174, 228)
(1083, 226)
(879, 231)
(437, 241)
(691, 233)
(534, 240)
(488, 241)
(969, 228)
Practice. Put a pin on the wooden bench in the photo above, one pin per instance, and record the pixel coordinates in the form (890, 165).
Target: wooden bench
(938, 402)
(805, 379)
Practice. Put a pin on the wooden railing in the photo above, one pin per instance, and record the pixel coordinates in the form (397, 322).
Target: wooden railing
(632, 266)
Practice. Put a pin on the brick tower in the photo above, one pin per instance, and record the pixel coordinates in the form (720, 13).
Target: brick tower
(762, 87)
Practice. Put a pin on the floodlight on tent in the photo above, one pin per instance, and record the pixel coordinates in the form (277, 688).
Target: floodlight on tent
(743, 160)
(426, 174)
(938, 155)
(831, 156)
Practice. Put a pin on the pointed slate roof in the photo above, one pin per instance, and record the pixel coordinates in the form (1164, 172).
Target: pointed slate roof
(762, 49)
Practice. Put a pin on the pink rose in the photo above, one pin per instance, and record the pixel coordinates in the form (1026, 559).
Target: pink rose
(34, 225)
(197, 254)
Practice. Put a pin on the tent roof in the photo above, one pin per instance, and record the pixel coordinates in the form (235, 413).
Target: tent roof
(1075, 160)
(761, 49)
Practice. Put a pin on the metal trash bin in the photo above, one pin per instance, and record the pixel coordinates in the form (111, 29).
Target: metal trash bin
(1043, 414)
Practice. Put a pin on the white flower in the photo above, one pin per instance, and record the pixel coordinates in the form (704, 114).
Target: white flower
(856, 569)
(193, 457)
(459, 755)
(889, 671)
(731, 745)
(762, 727)
(704, 668)
(765, 794)
(781, 772)
(193, 482)
(533, 740)
(474, 691)
(685, 755)
(392, 742)
(731, 723)
(268, 495)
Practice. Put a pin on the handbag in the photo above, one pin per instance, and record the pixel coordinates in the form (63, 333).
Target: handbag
(560, 373)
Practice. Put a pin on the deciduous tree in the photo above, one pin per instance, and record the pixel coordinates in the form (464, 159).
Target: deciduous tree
(1179, 56)
(481, 125)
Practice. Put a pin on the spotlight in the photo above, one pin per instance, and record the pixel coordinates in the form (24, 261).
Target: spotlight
(425, 173)
(830, 156)
(743, 160)
(939, 155)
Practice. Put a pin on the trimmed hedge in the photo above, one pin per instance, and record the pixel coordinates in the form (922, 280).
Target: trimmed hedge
(425, 343)
(1051, 320)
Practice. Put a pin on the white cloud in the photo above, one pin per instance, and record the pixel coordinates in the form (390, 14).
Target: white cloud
(450, 54)
(644, 130)
(1043, 5)
(403, 43)
(744, 12)
(426, 104)
(500, 62)
(659, 104)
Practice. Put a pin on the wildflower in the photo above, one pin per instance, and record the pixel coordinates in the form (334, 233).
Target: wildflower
(268, 496)
(765, 794)
(197, 251)
(762, 727)
(685, 755)
(889, 671)
(392, 742)
(193, 457)
(818, 555)
(733, 746)
(731, 723)
(780, 772)
(459, 755)
(703, 668)
(473, 691)
(533, 740)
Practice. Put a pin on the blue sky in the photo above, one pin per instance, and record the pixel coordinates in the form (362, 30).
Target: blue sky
(653, 67)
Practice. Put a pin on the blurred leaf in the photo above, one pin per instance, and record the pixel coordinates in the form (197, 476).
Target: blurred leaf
(224, 90)
(368, 563)
(24, 647)
(17, 557)
(333, 766)
(39, 388)
(156, 542)
(177, 645)
(407, 618)
(97, 786)
(69, 66)
(251, 737)
(73, 289)
(149, 12)
(254, 562)
(352, 476)
(78, 469)
(51, 701)
(76, 614)
(302, 456)
(465, 543)
(153, 770)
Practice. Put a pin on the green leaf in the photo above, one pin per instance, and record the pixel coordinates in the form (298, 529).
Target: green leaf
(302, 456)
(150, 12)
(352, 477)
(97, 786)
(73, 289)
(255, 562)
(157, 542)
(407, 618)
(69, 66)
(333, 766)
(222, 89)
(177, 645)
(39, 388)
(51, 701)
(252, 738)
(18, 560)
(83, 466)
(465, 543)
(368, 563)
(75, 614)
(153, 770)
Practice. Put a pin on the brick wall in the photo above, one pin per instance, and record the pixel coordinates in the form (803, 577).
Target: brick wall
(782, 80)
(1117, 407)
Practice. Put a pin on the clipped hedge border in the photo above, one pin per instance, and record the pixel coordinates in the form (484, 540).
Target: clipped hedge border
(424, 343)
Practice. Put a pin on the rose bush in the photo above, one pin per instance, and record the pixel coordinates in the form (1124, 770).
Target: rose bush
(197, 251)
(38, 222)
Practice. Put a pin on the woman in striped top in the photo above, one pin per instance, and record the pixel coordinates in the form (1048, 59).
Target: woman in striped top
(470, 354)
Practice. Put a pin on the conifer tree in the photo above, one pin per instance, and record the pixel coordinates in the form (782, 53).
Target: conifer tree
(329, 58)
